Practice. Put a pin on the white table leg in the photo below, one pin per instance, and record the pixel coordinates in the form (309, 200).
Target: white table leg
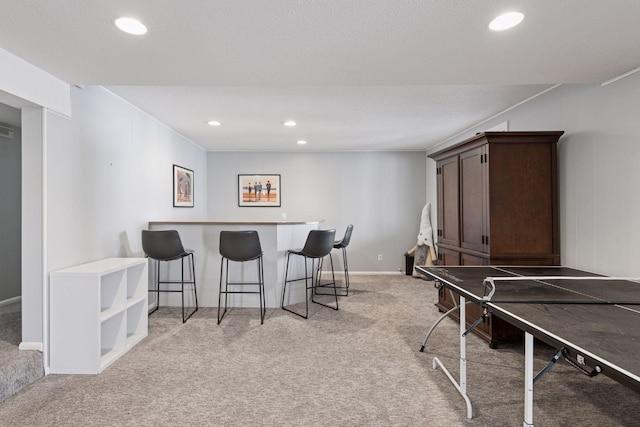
(528, 380)
(462, 385)
(463, 347)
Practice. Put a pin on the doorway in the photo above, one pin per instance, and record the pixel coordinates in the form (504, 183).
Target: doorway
(10, 230)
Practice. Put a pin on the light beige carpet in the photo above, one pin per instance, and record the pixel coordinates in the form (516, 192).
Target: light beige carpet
(359, 366)
(17, 368)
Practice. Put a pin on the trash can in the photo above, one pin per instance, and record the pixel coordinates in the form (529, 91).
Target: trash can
(408, 259)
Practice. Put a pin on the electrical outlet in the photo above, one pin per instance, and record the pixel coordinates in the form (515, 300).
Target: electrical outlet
(379, 257)
(580, 359)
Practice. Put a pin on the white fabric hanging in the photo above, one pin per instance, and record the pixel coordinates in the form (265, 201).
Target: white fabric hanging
(425, 236)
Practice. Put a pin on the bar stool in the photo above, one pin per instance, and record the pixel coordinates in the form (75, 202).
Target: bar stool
(318, 245)
(342, 244)
(166, 246)
(240, 246)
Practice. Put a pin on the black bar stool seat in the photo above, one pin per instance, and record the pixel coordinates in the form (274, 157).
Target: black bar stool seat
(240, 246)
(166, 246)
(342, 245)
(318, 245)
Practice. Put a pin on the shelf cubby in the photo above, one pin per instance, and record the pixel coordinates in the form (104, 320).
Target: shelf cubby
(98, 311)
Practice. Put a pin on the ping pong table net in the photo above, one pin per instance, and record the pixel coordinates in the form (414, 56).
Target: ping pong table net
(604, 290)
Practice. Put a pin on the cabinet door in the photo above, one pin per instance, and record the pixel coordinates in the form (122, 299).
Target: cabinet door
(448, 201)
(448, 257)
(466, 259)
(446, 298)
(523, 199)
(473, 201)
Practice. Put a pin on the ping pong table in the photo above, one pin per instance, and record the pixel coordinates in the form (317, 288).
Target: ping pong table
(592, 320)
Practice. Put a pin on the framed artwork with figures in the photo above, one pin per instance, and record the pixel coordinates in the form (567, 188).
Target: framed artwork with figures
(259, 190)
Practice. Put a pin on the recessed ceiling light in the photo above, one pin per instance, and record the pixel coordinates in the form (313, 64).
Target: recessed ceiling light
(506, 21)
(214, 123)
(289, 123)
(302, 142)
(131, 26)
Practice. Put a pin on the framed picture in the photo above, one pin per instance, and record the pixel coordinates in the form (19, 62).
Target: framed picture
(259, 190)
(182, 187)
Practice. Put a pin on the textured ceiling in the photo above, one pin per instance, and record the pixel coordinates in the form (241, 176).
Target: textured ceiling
(355, 74)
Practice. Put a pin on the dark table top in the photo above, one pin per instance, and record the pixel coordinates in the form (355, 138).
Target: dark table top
(586, 315)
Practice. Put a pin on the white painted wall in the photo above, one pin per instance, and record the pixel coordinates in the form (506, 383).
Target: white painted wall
(108, 171)
(381, 193)
(10, 212)
(598, 168)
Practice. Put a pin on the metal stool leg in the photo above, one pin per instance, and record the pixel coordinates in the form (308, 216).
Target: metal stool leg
(193, 279)
(182, 284)
(286, 272)
(318, 284)
(157, 289)
(306, 285)
(220, 291)
(193, 282)
(346, 270)
(263, 302)
(346, 277)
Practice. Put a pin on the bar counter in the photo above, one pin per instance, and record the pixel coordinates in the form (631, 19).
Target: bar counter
(203, 237)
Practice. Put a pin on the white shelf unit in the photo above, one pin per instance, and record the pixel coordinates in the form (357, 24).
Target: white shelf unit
(98, 311)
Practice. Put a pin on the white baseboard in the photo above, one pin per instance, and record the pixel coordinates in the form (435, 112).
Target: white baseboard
(11, 300)
(326, 273)
(372, 273)
(30, 346)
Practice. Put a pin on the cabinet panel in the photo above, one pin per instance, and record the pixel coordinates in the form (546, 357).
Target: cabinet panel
(466, 259)
(523, 200)
(446, 299)
(472, 206)
(448, 257)
(448, 202)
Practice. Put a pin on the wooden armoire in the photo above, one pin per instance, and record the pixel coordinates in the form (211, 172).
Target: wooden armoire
(497, 205)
